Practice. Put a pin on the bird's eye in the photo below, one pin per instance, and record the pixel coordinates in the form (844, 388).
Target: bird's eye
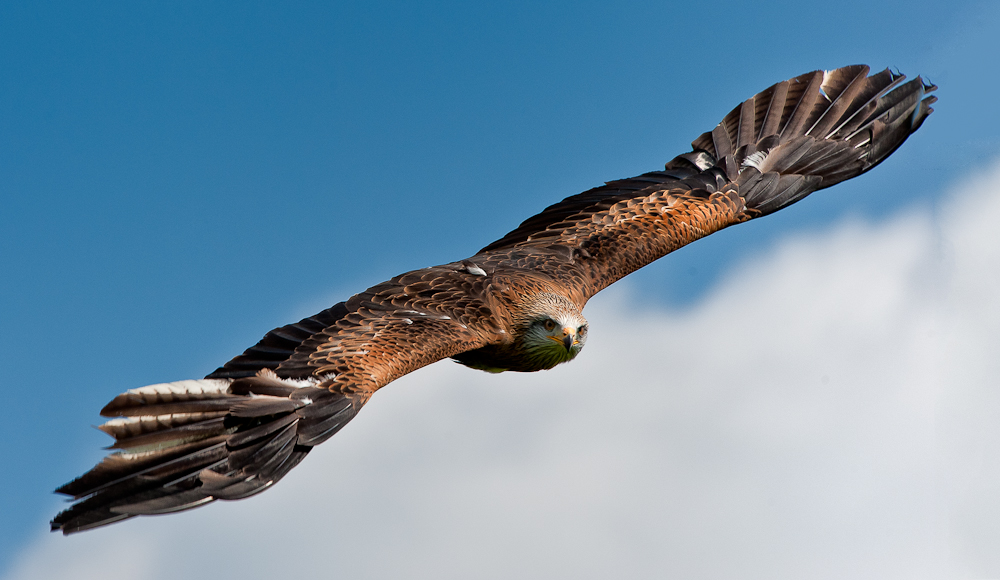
(582, 330)
(550, 325)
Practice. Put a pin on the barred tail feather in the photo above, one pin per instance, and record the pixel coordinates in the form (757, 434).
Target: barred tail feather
(185, 444)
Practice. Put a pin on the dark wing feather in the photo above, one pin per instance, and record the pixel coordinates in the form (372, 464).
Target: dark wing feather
(795, 137)
(279, 344)
(241, 429)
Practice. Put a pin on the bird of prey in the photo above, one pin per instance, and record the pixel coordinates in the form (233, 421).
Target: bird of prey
(514, 306)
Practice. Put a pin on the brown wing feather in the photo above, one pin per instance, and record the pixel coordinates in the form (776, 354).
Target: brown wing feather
(588, 252)
(795, 137)
(380, 334)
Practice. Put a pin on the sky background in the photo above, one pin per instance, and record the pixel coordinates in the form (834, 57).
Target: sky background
(813, 394)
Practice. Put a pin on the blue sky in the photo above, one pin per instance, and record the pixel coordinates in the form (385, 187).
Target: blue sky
(179, 178)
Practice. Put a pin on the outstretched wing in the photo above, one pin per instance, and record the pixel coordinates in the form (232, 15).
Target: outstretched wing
(380, 334)
(239, 430)
(242, 428)
(796, 137)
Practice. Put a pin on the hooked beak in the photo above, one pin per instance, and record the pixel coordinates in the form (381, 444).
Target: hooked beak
(568, 339)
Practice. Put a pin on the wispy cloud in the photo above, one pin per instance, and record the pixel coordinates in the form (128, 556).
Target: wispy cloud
(830, 410)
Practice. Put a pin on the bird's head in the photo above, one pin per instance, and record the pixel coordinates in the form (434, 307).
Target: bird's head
(553, 329)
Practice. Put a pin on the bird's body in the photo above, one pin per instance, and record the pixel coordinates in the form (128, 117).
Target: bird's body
(544, 329)
(514, 306)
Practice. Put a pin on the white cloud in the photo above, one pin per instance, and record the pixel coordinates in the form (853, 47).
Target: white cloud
(829, 411)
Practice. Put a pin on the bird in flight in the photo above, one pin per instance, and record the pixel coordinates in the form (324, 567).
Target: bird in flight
(514, 306)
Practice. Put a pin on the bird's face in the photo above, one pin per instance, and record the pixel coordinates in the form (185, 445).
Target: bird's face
(555, 338)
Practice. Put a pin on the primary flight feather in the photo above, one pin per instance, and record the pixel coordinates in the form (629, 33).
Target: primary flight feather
(514, 306)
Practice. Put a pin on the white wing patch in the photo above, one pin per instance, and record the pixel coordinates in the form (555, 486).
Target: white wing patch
(135, 426)
(183, 390)
(755, 160)
(823, 85)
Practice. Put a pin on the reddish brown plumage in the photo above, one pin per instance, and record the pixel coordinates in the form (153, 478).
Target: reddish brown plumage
(203, 440)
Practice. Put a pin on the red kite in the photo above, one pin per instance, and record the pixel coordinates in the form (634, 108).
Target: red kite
(514, 306)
